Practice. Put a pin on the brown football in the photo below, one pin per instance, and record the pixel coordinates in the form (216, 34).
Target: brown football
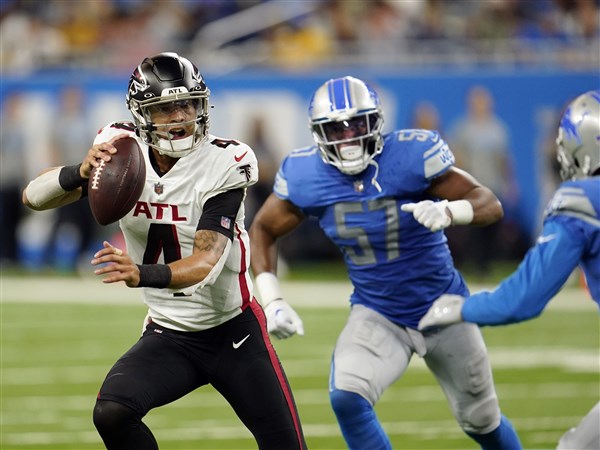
(115, 186)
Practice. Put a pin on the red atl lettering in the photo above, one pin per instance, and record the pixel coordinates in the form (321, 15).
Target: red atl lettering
(157, 211)
(142, 208)
(175, 214)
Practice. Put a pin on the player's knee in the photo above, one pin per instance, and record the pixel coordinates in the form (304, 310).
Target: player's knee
(480, 417)
(109, 417)
(348, 405)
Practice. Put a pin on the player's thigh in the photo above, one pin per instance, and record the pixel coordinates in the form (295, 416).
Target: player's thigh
(458, 358)
(370, 354)
(152, 373)
(252, 379)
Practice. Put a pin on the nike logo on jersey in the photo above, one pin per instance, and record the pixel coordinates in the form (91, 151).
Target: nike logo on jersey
(239, 158)
(544, 239)
(237, 345)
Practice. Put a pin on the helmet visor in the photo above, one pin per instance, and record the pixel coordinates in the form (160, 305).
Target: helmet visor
(335, 132)
(187, 106)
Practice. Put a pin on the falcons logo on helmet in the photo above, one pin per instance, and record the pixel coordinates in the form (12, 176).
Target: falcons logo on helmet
(139, 83)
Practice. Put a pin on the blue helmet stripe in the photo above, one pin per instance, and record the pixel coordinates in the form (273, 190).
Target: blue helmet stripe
(339, 94)
(569, 127)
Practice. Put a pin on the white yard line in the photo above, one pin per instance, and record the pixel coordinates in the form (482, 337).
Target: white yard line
(309, 294)
(202, 430)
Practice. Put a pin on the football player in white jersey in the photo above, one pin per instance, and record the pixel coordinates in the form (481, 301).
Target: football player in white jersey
(187, 248)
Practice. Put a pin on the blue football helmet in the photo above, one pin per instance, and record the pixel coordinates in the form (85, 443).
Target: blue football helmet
(346, 119)
(579, 137)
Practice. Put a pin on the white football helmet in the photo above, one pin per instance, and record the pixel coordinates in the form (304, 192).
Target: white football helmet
(163, 82)
(578, 138)
(346, 119)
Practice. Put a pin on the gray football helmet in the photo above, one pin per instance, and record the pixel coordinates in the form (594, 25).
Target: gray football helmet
(346, 119)
(578, 138)
(165, 82)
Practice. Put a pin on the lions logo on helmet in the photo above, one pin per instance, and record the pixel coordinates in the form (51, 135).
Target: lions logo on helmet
(163, 82)
(579, 137)
(346, 119)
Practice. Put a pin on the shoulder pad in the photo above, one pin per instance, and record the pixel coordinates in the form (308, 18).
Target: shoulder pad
(572, 201)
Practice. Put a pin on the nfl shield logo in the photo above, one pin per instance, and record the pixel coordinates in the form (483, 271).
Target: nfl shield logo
(225, 222)
(158, 188)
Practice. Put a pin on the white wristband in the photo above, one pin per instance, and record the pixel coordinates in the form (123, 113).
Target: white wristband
(44, 188)
(268, 288)
(461, 212)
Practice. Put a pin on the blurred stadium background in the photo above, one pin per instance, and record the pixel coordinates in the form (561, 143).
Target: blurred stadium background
(64, 69)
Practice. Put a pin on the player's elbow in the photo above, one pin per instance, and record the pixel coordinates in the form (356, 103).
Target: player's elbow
(25, 200)
(257, 228)
(491, 213)
(497, 211)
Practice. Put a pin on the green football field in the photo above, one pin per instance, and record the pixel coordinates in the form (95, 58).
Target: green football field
(59, 337)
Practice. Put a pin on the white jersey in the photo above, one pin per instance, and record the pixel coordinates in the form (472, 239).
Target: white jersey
(162, 226)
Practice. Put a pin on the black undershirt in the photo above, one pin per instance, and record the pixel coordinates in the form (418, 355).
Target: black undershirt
(220, 211)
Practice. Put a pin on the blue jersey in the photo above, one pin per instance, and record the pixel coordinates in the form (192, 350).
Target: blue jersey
(571, 236)
(397, 266)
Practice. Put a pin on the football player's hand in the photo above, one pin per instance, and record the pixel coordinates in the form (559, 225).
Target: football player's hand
(120, 266)
(432, 215)
(446, 310)
(282, 320)
(100, 151)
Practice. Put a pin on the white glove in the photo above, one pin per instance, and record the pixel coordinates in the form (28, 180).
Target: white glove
(439, 215)
(282, 320)
(430, 214)
(446, 310)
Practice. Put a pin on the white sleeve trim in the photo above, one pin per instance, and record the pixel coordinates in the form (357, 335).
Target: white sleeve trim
(44, 188)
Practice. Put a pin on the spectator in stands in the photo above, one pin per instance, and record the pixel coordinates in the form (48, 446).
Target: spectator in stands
(480, 141)
(75, 228)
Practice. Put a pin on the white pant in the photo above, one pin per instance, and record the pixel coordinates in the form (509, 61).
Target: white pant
(372, 353)
(586, 436)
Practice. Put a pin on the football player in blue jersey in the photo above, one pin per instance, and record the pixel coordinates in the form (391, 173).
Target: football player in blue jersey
(384, 200)
(570, 237)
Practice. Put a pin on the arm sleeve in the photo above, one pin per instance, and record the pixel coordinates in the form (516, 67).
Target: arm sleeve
(220, 211)
(525, 293)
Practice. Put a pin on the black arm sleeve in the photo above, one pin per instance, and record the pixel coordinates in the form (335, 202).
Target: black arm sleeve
(220, 211)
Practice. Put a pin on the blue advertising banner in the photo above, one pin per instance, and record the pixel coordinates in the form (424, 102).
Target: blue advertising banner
(528, 103)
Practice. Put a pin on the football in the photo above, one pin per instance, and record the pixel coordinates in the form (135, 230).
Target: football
(115, 186)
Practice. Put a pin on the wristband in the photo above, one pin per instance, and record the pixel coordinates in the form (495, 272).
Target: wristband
(70, 178)
(268, 288)
(154, 275)
(461, 212)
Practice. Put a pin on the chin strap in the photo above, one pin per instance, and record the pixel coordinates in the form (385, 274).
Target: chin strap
(374, 182)
(177, 148)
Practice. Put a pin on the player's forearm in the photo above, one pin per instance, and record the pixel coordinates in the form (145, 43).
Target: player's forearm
(487, 209)
(54, 187)
(263, 251)
(525, 293)
(204, 265)
(184, 274)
